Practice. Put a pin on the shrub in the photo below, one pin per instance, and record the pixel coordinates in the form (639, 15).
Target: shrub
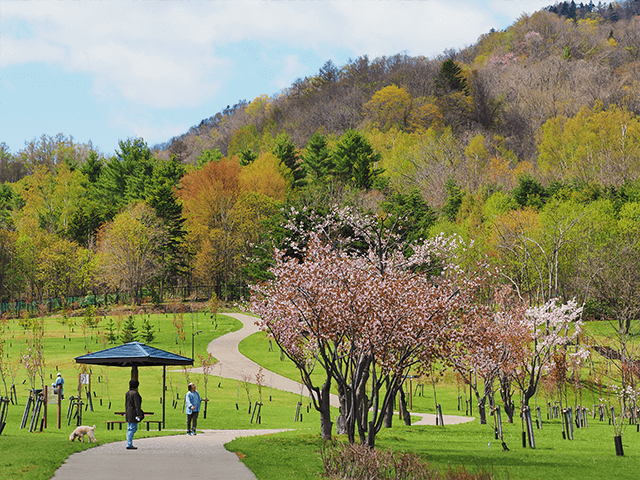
(351, 462)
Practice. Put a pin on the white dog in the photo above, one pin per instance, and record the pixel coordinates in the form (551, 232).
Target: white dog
(81, 431)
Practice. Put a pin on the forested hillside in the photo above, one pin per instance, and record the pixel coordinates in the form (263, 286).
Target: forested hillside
(526, 143)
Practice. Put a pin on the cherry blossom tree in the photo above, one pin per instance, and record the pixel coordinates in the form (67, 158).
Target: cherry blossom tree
(484, 346)
(551, 326)
(366, 315)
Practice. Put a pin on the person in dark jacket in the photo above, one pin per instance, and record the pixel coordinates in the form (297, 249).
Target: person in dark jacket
(133, 411)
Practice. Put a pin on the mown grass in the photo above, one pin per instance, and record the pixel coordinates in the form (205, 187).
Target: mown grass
(591, 455)
(37, 455)
(292, 454)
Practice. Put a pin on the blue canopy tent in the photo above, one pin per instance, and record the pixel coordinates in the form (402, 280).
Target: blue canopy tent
(134, 355)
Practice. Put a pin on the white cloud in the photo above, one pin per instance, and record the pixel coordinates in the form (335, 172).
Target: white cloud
(290, 67)
(513, 9)
(163, 54)
(144, 125)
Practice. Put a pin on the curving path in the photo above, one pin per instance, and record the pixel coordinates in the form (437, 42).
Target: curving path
(203, 455)
(232, 364)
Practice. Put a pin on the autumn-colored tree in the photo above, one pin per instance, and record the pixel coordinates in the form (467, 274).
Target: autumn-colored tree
(208, 197)
(425, 114)
(225, 205)
(129, 249)
(264, 176)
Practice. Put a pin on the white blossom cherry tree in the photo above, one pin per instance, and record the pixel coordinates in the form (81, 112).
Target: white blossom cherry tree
(551, 326)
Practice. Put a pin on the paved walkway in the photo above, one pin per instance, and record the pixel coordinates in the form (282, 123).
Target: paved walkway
(176, 457)
(204, 455)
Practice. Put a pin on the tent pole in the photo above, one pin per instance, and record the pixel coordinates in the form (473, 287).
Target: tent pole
(164, 391)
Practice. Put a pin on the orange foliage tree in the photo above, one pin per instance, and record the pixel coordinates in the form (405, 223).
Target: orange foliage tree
(224, 205)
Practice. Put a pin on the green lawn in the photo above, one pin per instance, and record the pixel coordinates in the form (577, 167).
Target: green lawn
(293, 454)
(37, 455)
(591, 455)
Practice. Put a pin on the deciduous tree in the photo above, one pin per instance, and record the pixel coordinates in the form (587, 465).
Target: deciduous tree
(129, 249)
(388, 108)
(367, 318)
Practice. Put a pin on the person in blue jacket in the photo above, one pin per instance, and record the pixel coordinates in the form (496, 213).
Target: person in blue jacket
(192, 408)
(59, 385)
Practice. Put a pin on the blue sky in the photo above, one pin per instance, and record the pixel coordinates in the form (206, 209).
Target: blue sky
(103, 71)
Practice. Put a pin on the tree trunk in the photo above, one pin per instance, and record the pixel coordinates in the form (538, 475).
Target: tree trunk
(482, 411)
(388, 414)
(363, 417)
(506, 394)
(326, 424)
(371, 435)
(402, 405)
(341, 421)
(361, 401)
(346, 423)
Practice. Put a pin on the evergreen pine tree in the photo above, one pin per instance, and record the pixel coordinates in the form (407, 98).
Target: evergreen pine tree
(287, 153)
(450, 78)
(129, 331)
(355, 160)
(316, 160)
(147, 331)
(111, 335)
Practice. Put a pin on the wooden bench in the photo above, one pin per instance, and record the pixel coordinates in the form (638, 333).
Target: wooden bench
(159, 422)
(112, 423)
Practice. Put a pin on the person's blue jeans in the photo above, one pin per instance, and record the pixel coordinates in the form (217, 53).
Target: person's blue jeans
(131, 429)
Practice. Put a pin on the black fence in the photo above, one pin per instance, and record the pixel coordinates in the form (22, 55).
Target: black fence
(181, 293)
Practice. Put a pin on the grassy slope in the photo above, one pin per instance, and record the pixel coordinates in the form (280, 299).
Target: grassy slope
(591, 455)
